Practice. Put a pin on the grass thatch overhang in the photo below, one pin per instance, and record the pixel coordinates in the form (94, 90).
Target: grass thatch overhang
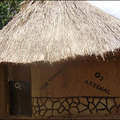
(57, 31)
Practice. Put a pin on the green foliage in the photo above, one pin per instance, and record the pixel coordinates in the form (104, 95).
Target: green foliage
(8, 8)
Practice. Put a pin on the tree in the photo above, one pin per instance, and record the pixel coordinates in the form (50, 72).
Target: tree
(8, 8)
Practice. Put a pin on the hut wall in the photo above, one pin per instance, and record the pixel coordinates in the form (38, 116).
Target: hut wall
(76, 87)
(3, 104)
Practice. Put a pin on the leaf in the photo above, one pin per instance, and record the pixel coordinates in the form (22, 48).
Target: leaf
(8, 8)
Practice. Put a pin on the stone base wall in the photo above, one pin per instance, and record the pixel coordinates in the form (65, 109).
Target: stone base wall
(46, 107)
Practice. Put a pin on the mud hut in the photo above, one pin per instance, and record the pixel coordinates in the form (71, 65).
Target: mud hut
(60, 58)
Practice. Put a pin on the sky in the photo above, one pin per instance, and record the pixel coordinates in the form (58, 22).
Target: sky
(111, 7)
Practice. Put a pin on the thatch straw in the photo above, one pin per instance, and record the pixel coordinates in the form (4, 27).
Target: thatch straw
(56, 30)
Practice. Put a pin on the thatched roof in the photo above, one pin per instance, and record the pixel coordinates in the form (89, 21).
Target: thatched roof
(57, 30)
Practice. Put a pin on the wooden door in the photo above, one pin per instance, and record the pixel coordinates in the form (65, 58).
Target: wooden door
(3, 91)
(20, 89)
